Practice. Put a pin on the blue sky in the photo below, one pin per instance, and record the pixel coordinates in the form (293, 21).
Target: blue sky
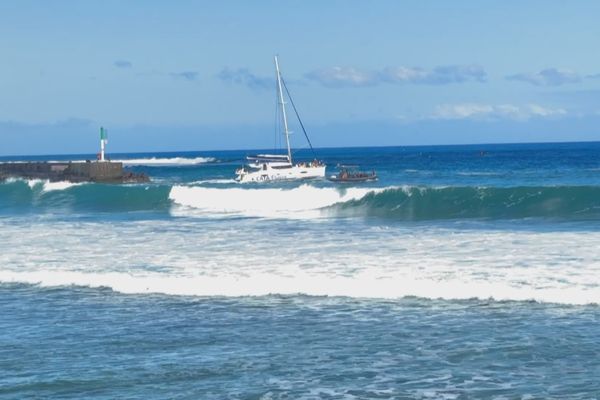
(195, 75)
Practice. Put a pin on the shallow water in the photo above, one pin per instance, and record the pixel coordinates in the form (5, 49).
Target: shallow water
(77, 343)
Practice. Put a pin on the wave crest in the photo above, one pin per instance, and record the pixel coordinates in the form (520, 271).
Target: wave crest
(162, 162)
(360, 286)
(408, 203)
(304, 200)
(22, 194)
(427, 203)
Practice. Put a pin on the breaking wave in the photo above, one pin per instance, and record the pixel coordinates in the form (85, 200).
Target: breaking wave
(305, 200)
(409, 203)
(363, 285)
(427, 203)
(401, 203)
(35, 194)
(161, 162)
(48, 186)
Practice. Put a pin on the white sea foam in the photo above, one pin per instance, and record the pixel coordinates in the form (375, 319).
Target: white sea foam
(213, 181)
(60, 185)
(477, 173)
(32, 183)
(154, 161)
(304, 200)
(362, 285)
(44, 184)
(253, 258)
(47, 186)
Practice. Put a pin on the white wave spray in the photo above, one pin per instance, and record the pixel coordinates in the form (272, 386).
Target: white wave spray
(255, 258)
(161, 162)
(303, 201)
(45, 185)
(363, 285)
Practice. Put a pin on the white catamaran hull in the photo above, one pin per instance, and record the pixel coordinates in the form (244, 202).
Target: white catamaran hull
(268, 173)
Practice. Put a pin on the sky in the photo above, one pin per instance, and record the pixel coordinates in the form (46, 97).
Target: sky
(199, 75)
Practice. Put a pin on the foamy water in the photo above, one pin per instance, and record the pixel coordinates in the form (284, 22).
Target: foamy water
(303, 201)
(161, 162)
(46, 185)
(259, 258)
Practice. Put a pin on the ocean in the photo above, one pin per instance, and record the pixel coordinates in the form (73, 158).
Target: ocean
(464, 272)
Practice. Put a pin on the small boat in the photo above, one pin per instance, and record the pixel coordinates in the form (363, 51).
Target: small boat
(350, 175)
(277, 167)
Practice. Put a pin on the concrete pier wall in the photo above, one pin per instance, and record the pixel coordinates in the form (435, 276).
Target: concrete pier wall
(97, 171)
(71, 171)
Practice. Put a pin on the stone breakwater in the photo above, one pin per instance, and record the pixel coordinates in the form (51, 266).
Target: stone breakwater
(108, 172)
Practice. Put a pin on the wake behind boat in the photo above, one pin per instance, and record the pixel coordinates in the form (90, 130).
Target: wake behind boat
(275, 167)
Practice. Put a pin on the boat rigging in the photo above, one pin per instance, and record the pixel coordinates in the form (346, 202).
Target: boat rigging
(275, 167)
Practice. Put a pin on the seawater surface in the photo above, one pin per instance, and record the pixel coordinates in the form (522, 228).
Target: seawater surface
(464, 272)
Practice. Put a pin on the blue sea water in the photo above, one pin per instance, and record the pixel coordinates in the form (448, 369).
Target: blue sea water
(464, 272)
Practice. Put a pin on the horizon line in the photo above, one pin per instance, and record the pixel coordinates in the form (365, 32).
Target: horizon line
(316, 148)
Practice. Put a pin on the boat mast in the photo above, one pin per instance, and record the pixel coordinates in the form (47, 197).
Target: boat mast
(282, 102)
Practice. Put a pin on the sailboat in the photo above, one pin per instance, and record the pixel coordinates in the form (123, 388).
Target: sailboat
(276, 167)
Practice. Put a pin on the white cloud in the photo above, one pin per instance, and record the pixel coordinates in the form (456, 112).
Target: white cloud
(502, 111)
(343, 77)
(354, 77)
(547, 77)
(460, 111)
(539, 111)
(438, 76)
(404, 74)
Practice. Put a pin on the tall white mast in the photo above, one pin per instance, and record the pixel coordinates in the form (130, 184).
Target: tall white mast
(282, 102)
